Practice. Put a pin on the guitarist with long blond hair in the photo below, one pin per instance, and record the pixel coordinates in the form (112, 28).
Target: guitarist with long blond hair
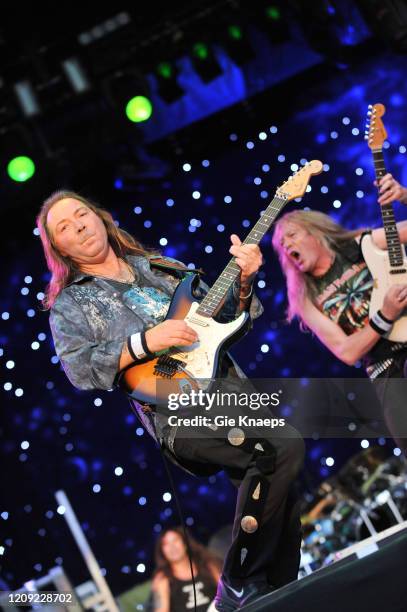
(329, 289)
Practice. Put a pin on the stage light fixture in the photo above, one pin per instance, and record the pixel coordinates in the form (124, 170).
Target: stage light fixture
(168, 89)
(205, 62)
(128, 90)
(21, 168)
(139, 109)
(237, 44)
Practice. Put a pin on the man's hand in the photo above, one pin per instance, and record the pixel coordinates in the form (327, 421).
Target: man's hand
(390, 190)
(248, 257)
(395, 301)
(170, 333)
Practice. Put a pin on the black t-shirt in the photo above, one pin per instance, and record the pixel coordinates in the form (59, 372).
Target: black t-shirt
(182, 594)
(343, 294)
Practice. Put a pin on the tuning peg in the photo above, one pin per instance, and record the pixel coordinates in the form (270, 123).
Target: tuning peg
(369, 113)
(370, 106)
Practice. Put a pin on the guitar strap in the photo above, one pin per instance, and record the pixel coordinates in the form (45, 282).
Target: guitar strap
(156, 261)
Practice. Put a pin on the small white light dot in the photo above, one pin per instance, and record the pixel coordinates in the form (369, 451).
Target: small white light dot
(30, 313)
(189, 521)
(96, 488)
(36, 231)
(2, 549)
(250, 144)
(308, 189)
(402, 149)
(138, 210)
(19, 392)
(148, 223)
(364, 443)
(41, 337)
(345, 120)
(10, 364)
(5, 316)
(273, 129)
(186, 167)
(261, 284)
(205, 163)
(35, 346)
(386, 144)
(28, 279)
(4, 516)
(25, 291)
(294, 167)
(360, 194)
(326, 167)
(54, 359)
(336, 203)
(262, 136)
(330, 461)
(359, 171)
(170, 202)
(334, 135)
(264, 194)
(227, 199)
(208, 248)
(163, 241)
(324, 189)
(281, 158)
(118, 471)
(167, 497)
(397, 452)
(355, 131)
(220, 227)
(24, 445)
(233, 137)
(257, 180)
(40, 296)
(196, 195)
(246, 223)
(141, 568)
(7, 386)
(98, 401)
(61, 509)
(264, 348)
(265, 168)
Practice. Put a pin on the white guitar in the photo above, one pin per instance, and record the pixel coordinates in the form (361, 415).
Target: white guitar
(386, 267)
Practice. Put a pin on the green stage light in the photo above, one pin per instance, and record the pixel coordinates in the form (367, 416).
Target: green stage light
(200, 51)
(21, 168)
(139, 109)
(235, 32)
(273, 12)
(164, 70)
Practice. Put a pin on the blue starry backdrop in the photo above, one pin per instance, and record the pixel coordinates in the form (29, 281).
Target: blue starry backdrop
(207, 165)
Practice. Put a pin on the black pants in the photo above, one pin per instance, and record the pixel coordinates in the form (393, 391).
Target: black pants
(391, 389)
(266, 535)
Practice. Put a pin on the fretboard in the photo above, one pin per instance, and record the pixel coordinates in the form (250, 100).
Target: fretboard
(214, 299)
(394, 247)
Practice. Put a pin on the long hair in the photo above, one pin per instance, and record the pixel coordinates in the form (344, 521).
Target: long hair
(202, 558)
(63, 269)
(329, 233)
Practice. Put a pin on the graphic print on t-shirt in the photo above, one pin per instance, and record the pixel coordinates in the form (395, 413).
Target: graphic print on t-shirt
(346, 299)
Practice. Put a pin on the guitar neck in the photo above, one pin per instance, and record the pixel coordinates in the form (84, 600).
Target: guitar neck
(214, 299)
(394, 247)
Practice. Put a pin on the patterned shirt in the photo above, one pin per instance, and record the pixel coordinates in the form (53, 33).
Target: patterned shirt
(92, 318)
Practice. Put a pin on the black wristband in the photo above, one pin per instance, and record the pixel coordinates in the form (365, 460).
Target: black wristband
(385, 319)
(130, 349)
(377, 329)
(144, 344)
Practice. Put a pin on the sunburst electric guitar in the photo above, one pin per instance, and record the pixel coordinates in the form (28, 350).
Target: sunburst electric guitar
(387, 267)
(181, 369)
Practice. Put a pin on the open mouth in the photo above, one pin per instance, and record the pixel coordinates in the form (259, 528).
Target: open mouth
(295, 255)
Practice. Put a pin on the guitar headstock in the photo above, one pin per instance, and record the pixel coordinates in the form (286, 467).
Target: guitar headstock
(375, 133)
(295, 185)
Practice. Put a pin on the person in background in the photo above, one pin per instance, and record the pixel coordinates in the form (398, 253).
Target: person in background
(172, 587)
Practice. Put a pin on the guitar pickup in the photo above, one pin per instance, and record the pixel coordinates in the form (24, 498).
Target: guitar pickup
(399, 271)
(167, 366)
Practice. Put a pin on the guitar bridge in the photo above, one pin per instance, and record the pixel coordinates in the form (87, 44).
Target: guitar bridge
(167, 366)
